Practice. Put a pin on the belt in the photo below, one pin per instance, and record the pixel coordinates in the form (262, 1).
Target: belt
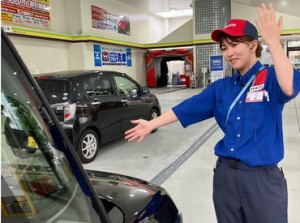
(237, 164)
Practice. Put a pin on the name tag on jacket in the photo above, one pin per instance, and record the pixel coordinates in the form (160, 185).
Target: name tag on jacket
(255, 96)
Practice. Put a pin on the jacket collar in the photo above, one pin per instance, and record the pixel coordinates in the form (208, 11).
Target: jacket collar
(244, 79)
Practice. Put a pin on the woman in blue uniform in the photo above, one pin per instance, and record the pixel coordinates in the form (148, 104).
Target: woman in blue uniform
(248, 185)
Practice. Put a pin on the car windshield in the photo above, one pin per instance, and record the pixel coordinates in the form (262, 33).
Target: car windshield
(55, 90)
(37, 181)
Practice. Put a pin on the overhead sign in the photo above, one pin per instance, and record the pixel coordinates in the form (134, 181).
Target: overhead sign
(102, 19)
(97, 55)
(110, 55)
(33, 13)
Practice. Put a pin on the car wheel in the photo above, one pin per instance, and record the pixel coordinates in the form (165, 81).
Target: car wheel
(153, 114)
(88, 146)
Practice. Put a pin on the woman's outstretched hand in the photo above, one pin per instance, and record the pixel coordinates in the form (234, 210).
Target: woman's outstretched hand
(142, 129)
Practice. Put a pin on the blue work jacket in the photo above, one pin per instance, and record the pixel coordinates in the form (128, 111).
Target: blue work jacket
(253, 133)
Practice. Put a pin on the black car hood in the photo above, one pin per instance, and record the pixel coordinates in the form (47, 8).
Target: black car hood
(138, 199)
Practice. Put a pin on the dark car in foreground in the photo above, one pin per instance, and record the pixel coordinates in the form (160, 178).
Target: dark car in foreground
(95, 107)
(42, 178)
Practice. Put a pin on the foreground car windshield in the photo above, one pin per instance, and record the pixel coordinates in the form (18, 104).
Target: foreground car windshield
(37, 182)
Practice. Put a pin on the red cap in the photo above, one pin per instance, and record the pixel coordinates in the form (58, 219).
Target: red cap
(236, 28)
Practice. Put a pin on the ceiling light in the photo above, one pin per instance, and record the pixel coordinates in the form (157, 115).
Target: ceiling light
(173, 10)
(173, 13)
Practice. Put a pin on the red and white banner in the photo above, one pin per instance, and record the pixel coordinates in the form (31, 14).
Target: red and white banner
(101, 19)
(33, 13)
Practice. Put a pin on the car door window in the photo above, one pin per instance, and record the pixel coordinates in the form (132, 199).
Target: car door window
(126, 86)
(99, 85)
(88, 88)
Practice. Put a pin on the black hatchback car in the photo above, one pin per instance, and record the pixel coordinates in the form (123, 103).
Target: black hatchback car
(95, 107)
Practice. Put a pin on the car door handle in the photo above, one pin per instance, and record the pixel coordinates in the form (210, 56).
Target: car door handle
(96, 103)
(124, 101)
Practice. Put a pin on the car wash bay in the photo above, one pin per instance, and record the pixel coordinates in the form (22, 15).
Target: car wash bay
(182, 160)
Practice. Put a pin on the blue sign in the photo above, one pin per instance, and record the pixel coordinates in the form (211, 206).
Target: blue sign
(216, 63)
(111, 55)
(128, 57)
(97, 55)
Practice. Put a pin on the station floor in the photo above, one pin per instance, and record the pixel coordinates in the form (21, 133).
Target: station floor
(182, 160)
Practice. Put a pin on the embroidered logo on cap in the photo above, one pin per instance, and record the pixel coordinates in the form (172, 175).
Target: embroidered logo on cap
(230, 25)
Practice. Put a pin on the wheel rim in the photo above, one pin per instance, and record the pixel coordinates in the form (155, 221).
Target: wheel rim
(154, 115)
(89, 146)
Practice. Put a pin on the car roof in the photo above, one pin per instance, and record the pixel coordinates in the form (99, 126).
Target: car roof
(73, 73)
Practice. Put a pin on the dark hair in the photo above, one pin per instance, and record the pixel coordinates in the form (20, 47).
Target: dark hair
(241, 39)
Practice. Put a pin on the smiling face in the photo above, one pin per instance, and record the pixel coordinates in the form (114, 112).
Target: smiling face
(239, 53)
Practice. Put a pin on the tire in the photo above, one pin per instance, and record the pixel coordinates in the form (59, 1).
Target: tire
(88, 146)
(153, 114)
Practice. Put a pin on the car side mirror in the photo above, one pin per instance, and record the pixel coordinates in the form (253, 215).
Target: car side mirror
(134, 93)
(22, 143)
(146, 90)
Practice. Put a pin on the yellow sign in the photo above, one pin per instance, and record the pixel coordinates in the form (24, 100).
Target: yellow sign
(32, 143)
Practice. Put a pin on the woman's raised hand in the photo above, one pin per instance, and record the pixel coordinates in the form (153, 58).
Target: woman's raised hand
(270, 30)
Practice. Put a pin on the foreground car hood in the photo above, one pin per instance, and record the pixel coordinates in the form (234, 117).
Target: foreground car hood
(137, 199)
